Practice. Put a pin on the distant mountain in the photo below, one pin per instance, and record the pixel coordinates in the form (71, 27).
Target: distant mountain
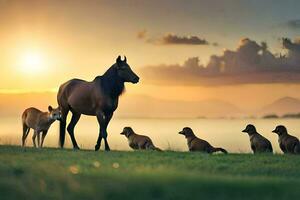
(129, 106)
(282, 106)
(145, 106)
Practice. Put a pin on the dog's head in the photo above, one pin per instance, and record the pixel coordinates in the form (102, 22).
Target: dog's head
(127, 131)
(55, 113)
(187, 132)
(280, 130)
(250, 129)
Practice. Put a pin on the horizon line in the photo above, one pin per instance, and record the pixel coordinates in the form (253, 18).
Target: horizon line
(27, 91)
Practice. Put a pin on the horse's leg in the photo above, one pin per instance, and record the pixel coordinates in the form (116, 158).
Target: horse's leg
(71, 126)
(100, 118)
(104, 133)
(62, 126)
(103, 120)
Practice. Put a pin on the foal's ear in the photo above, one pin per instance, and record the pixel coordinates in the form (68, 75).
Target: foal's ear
(50, 108)
(118, 60)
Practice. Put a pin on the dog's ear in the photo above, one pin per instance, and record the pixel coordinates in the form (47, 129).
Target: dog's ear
(50, 108)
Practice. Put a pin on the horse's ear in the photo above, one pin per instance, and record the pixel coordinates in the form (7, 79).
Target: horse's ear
(50, 108)
(118, 59)
(125, 59)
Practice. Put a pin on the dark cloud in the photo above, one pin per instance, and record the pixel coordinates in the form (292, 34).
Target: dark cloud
(294, 23)
(173, 39)
(188, 40)
(250, 62)
(292, 46)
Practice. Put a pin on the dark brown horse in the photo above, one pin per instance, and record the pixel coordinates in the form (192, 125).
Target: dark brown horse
(96, 98)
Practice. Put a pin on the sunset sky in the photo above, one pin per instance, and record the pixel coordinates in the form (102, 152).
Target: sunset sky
(169, 43)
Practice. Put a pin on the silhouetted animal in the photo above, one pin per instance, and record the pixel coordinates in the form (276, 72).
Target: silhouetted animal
(287, 143)
(137, 141)
(39, 121)
(259, 144)
(196, 144)
(96, 98)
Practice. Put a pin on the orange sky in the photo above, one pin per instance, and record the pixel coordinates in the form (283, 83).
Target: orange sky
(45, 43)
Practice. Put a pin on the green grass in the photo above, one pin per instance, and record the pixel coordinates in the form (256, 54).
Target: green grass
(66, 174)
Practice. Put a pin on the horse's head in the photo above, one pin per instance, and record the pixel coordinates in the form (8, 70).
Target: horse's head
(125, 72)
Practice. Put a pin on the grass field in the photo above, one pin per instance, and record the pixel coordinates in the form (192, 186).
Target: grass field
(66, 174)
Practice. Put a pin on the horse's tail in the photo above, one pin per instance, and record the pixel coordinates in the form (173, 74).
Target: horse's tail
(64, 108)
(219, 149)
(62, 126)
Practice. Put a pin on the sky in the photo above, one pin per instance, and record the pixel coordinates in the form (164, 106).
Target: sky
(182, 50)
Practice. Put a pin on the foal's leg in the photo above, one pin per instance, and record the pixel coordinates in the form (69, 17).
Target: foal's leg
(71, 126)
(33, 137)
(103, 121)
(43, 137)
(25, 134)
(38, 138)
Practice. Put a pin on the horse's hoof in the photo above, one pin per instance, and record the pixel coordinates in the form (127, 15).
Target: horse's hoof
(76, 148)
(107, 149)
(97, 147)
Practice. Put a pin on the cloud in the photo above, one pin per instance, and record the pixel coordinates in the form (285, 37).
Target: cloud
(294, 23)
(142, 34)
(173, 39)
(292, 46)
(250, 62)
(187, 40)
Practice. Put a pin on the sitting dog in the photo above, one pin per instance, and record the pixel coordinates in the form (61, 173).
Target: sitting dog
(197, 144)
(137, 141)
(287, 143)
(259, 144)
(39, 121)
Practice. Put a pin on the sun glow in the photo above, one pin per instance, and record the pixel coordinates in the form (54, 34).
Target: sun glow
(32, 62)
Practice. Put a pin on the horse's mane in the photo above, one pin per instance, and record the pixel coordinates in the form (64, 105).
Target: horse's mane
(110, 83)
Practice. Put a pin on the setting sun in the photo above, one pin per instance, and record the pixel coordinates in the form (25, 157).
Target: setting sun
(31, 62)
